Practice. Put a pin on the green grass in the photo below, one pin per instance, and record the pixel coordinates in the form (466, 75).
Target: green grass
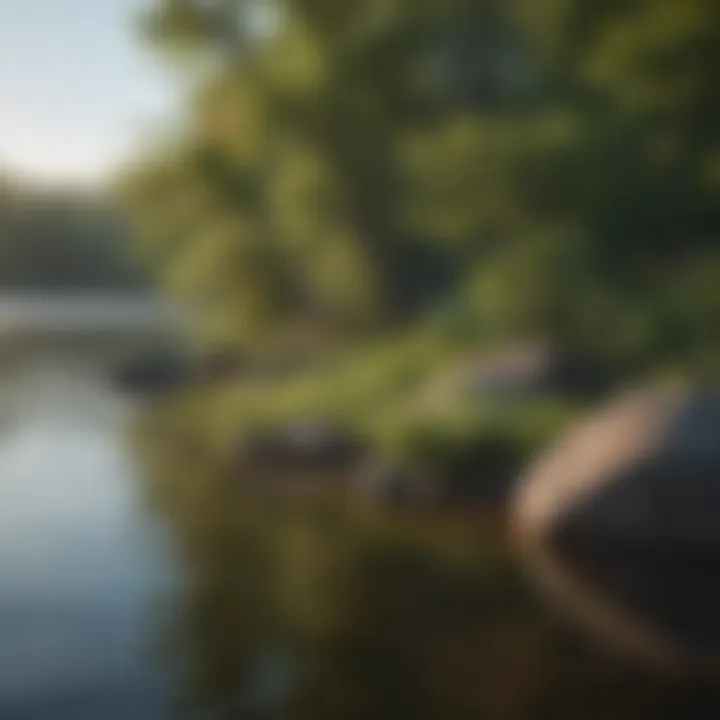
(374, 393)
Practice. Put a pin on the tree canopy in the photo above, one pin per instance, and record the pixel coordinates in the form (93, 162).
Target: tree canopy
(545, 168)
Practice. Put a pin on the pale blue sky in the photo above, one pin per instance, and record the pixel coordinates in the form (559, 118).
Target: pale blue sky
(76, 89)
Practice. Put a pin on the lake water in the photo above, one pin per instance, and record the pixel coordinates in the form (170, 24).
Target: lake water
(81, 563)
(136, 590)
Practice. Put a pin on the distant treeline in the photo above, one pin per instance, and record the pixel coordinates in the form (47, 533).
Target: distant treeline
(53, 239)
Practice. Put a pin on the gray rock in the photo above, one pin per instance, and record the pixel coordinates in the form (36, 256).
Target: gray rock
(511, 374)
(303, 445)
(388, 483)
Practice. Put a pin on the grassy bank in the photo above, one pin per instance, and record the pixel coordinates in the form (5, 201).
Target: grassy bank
(392, 395)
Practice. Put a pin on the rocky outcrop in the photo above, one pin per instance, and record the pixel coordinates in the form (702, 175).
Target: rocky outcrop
(645, 467)
(620, 522)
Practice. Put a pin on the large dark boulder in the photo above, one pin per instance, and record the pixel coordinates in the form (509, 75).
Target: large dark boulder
(620, 523)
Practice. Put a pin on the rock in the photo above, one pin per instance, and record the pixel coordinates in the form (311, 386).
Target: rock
(305, 445)
(166, 370)
(466, 486)
(620, 524)
(387, 483)
(152, 373)
(528, 371)
(511, 374)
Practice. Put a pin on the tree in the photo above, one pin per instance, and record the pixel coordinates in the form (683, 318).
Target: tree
(353, 165)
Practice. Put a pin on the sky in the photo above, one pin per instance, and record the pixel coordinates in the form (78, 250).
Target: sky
(77, 91)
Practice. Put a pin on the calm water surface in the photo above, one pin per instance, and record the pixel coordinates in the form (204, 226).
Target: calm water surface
(82, 564)
(126, 595)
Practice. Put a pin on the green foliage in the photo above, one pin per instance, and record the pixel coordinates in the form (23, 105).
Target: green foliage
(424, 177)
(351, 166)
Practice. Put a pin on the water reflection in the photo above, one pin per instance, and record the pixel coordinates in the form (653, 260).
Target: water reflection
(80, 562)
(149, 586)
(327, 612)
(656, 602)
